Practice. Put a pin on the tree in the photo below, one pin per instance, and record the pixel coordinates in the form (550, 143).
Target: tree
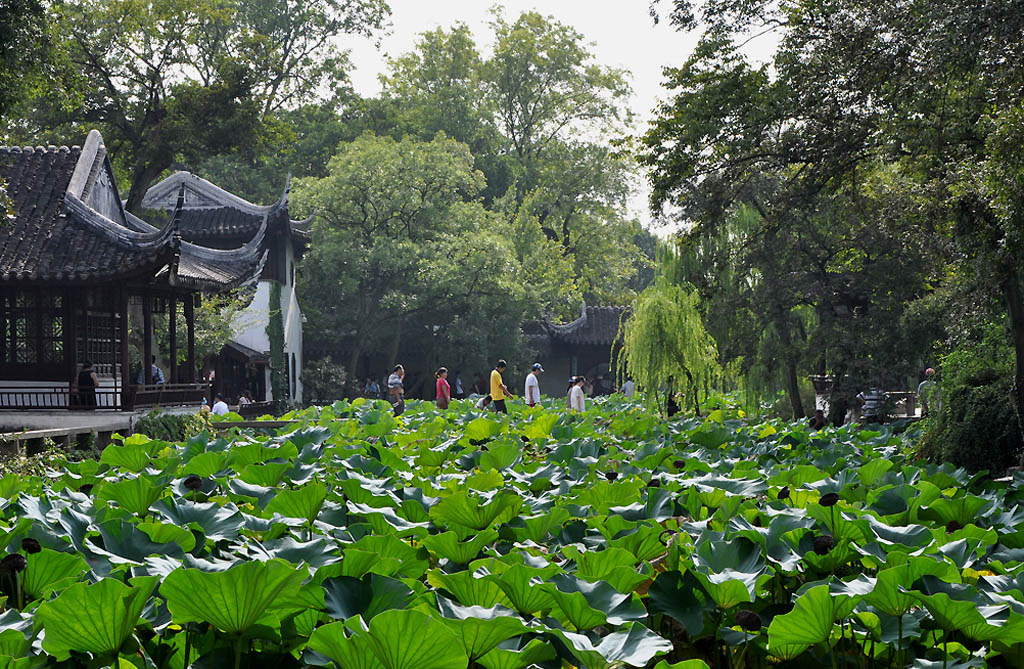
(533, 114)
(401, 247)
(665, 344)
(177, 80)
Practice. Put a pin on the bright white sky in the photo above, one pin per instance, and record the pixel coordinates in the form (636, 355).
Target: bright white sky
(620, 32)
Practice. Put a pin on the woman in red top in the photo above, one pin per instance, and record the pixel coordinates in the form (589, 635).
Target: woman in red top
(444, 391)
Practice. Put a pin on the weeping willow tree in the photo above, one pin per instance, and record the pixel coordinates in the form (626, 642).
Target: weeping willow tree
(665, 346)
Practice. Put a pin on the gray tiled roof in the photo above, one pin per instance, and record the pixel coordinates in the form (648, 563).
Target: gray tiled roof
(54, 236)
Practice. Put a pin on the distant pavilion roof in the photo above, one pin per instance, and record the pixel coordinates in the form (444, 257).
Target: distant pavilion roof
(69, 226)
(210, 213)
(596, 326)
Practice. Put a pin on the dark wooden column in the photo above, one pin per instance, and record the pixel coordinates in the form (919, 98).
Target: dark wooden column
(126, 361)
(71, 297)
(190, 322)
(147, 338)
(172, 329)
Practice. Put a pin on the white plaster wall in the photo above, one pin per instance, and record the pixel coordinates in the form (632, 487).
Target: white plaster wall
(250, 324)
(293, 338)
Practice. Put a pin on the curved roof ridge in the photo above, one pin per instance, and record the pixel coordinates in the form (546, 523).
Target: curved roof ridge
(571, 326)
(210, 190)
(121, 235)
(239, 254)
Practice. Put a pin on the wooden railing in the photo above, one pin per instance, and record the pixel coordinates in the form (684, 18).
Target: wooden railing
(104, 398)
(167, 395)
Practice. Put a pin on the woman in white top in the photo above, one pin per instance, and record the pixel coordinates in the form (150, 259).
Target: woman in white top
(577, 400)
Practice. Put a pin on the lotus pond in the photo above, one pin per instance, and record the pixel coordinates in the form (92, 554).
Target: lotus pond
(459, 539)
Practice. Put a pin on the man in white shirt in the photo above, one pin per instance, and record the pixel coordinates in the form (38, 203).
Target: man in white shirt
(628, 388)
(532, 391)
(577, 400)
(220, 407)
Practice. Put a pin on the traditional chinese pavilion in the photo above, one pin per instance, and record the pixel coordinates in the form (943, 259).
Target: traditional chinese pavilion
(214, 217)
(581, 346)
(81, 279)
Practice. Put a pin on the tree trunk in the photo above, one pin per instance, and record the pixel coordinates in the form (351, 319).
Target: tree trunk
(353, 364)
(789, 362)
(1015, 308)
(142, 179)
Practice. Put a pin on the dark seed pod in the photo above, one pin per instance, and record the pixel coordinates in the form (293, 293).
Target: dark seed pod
(193, 482)
(748, 620)
(654, 483)
(952, 526)
(823, 544)
(524, 438)
(13, 563)
(611, 476)
(30, 545)
(829, 499)
(757, 522)
(679, 464)
(86, 489)
(784, 493)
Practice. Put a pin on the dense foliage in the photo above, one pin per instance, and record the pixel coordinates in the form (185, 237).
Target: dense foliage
(442, 539)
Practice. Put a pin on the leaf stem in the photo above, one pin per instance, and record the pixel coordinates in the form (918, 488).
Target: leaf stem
(238, 653)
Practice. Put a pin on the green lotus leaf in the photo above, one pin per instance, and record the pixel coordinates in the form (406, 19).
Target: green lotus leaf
(809, 623)
(482, 428)
(448, 546)
(587, 605)
(500, 455)
(49, 571)
(348, 650)
(414, 561)
(266, 474)
(413, 640)
(962, 509)
(377, 423)
(681, 596)
(533, 653)
(616, 566)
(480, 629)
(304, 502)
(216, 522)
(520, 583)
(887, 594)
(163, 533)
(125, 543)
(685, 664)
(134, 495)
(634, 646)
(537, 528)
(469, 589)
(95, 618)
(369, 596)
(476, 512)
(234, 600)
(132, 457)
(206, 464)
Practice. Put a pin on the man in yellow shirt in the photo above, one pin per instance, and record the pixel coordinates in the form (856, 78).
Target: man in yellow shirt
(499, 391)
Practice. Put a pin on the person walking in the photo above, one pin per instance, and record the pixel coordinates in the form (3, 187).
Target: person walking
(499, 391)
(926, 391)
(444, 390)
(371, 389)
(155, 371)
(460, 390)
(577, 399)
(628, 388)
(87, 382)
(396, 390)
(532, 391)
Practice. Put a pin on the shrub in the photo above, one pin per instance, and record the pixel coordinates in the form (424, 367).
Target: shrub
(324, 381)
(976, 424)
(172, 427)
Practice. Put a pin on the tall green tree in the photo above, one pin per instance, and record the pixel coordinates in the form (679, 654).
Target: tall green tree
(535, 114)
(403, 249)
(171, 80)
